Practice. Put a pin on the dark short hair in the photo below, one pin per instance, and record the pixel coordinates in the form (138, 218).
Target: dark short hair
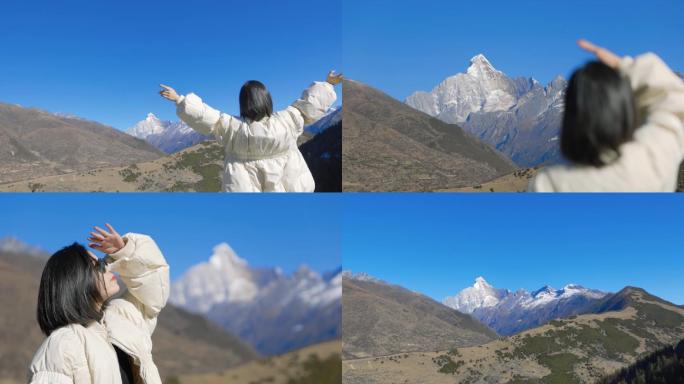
(600, 114)
(69, 292)
(255, 101)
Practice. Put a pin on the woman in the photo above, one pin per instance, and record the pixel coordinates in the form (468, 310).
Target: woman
(91, 336)
(623, 127)
(261, 153)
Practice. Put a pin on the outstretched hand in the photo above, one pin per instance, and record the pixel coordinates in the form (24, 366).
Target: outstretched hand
(334, 78)
(106, 242)
(168, 93)
(605, 56)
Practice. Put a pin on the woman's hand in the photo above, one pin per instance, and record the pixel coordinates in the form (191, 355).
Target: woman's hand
(605, 56)
(168, 93)
(334, 78)
(106, 242)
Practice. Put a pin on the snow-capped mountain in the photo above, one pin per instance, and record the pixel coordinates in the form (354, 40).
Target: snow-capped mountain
(331, 118)
(167, 136)
(361, 276)
(510, 312)
(16, 246)
(517, 116)
(272, 311)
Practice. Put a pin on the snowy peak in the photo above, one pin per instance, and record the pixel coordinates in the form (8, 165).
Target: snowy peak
(480, 66)
(481, 283)
(165, 135)
(224, 258)
(150, 126)
(480, 295)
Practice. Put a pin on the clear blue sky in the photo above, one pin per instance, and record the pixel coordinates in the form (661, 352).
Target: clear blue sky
(266, 230)
(437, 244)
(401, 46)
(103, 60)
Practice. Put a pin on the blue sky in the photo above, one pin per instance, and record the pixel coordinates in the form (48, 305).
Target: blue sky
(103, 60)
(266, 230)
(437, 244)
(401, 46)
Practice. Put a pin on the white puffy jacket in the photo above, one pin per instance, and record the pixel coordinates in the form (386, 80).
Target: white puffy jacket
(84, 355)
(261, 156)
(650, 161)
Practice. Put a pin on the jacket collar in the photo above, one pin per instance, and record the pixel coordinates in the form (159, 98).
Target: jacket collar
(99, 328)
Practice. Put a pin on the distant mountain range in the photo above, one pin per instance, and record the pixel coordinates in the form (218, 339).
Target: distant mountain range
(35, 143)
(274, 312)
(171, 137)
(619, 329)
(517, 116)
(167, 136)
(389, 146)
(184, 343)
(510, 312)
(381, 319)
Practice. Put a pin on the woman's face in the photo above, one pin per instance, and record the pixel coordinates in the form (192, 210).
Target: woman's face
(108, 285)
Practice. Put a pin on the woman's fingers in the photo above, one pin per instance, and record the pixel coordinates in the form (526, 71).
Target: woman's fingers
(97, 236)
(603, 54)
(104, 233)
(588, 46)
(111, 229)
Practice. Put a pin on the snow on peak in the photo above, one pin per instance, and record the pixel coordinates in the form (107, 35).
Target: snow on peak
(165, 135)
(224, 257)
(481, 294)
(481, 283)
(480, 66)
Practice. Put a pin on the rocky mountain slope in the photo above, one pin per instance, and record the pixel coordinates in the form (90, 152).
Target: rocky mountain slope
(36, 143)
(518, 116)
(183, 343)
(509, 312)
(380, 319)
(388, 146)
(663, 366)
(316, 364)
(272, 311)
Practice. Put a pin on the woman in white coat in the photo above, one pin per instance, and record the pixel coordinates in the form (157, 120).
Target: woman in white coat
(623, 127)
(261, 153)
(91, 337)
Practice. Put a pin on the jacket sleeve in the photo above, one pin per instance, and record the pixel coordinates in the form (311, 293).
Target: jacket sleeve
(60, 360)
(315, 101)
(659, 95)
(143, 269)
(203, 118)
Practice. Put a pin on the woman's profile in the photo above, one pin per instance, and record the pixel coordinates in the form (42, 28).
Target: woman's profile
(93, 336)
(623, 127)
(260, 146)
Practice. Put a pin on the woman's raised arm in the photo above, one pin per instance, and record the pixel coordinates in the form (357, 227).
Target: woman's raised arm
(140, 265)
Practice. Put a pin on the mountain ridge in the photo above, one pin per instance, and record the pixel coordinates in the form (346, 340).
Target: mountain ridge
(510, 312)
(273, 311)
